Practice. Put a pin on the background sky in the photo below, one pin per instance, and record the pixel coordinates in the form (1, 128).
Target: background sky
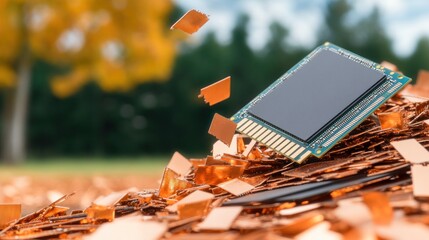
(405, 21)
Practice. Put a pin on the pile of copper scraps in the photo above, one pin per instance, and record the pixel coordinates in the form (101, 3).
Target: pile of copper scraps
(361, 190)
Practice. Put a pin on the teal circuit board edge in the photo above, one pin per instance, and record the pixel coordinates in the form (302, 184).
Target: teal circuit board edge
(298, 150)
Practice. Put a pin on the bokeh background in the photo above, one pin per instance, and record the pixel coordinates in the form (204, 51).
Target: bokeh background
(97, 95)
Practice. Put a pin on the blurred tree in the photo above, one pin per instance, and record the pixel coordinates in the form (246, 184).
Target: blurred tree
(117, 44)
(419, 59)
(366, 37)
(373, 42)
(336, 28)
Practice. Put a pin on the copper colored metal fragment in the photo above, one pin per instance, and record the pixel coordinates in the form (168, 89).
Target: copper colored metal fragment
(300, 209)
(420, 177)
(236, 187)
(240, 144)
(411, 150)
(179, 164)
(319, 231)
(378, 204)
(392, 120)
(129, 228)
(317, 167)
(191, 22)
(197, 196)
(193, 209)
(220, 148)
(171, 183)
(249, 147)
(197, 162)
(220, 219)
(214, 175)
(222, 128)
(57, 211)
(216, 92)
(97, 212)
(9, 213)
(299, 225)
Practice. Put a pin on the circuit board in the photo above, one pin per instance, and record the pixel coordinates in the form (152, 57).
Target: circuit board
(317, 102)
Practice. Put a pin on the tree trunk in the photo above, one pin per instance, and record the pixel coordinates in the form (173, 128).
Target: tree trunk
(15, 115)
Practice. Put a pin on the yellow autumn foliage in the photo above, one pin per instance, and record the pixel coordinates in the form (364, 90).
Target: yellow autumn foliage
(116, 43)
(7, 76)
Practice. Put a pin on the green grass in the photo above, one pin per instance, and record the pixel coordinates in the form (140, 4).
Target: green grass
(150, 165)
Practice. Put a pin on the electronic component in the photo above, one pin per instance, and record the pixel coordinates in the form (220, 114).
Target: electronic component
(317, 102)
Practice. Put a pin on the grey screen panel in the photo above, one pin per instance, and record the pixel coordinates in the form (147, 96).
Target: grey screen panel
(315, 95)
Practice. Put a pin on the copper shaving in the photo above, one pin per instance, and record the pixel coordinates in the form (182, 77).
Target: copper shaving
(8, 213)
(392, 120)
(222, 128)
(220, 218)
(216, 92)
(191, 22)
(379, 205)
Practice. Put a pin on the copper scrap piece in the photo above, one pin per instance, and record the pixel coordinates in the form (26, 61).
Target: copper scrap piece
(197, 162)
(299, 225)
(378, 204)
(98, 212)
(129, 228)
(353, 212)
(9, 213)
(220, 148)
(220, 219)
(340, 174)
(47, 224)
(210, 161)
(411, 150)
(191, 22)
(249, 148)
(420, 178)
(171, 183)
(193, 209)
(207, 236)
(317, 167)
(222, 128)
(389, 66)
(214, 175)
(392, 120)
(179, 164)
(422, 107)
(216, 92)
(235, 161)
(403, 229)
(254, 181)
(40, 214)
(319, 231)
(236, 187)
(56, 211)
(39, 235)
(240, 144)
(254, 154)
(196, 196)
(299, 210)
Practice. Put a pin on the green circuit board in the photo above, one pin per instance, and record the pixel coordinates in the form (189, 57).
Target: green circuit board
(317, 102)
